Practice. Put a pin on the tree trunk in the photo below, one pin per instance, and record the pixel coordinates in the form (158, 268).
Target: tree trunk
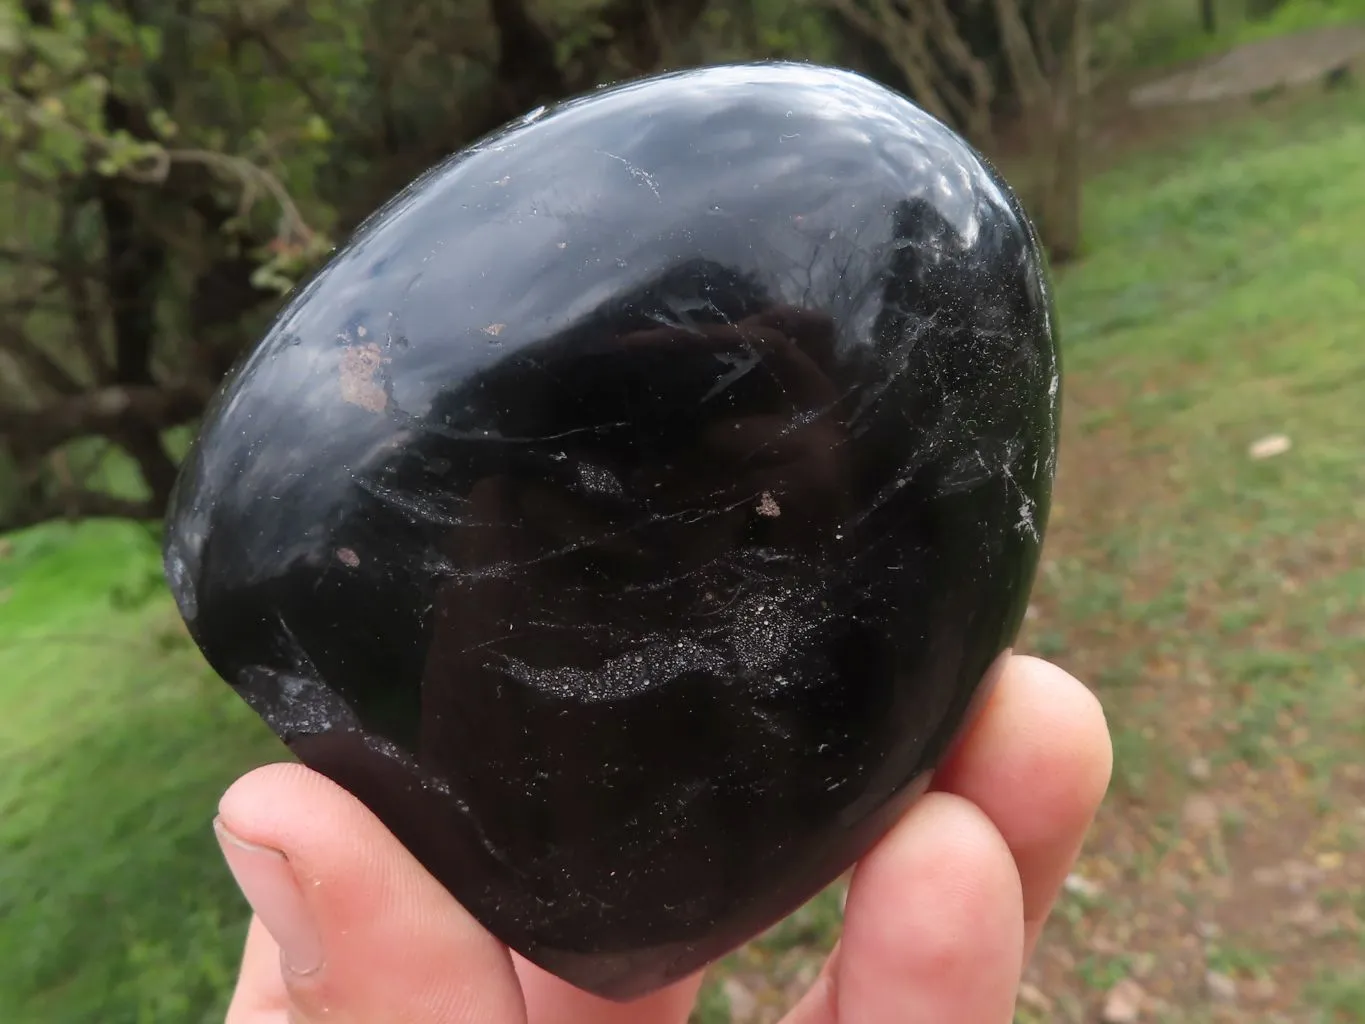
(1061, 208)
(1208, 15)
(1061, 203)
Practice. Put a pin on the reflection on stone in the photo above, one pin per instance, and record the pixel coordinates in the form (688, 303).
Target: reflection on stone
(632, 512)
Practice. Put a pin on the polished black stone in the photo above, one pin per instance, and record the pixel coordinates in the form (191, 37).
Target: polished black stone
(632, 512)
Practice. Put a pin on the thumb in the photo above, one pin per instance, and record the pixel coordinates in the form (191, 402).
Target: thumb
(361, 932)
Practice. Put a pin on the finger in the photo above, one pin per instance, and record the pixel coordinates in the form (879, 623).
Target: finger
(552, 1001)
(933, 929)
(260, 995)
(364, 932)
(1037, 761)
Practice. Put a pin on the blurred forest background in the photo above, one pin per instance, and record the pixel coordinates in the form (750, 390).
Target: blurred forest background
(169, 168)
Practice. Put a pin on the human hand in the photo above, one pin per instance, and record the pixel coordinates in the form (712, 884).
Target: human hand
(941, 915)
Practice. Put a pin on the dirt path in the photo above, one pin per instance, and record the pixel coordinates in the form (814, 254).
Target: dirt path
(1285, 62)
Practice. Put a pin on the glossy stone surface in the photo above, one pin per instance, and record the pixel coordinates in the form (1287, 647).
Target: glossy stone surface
(633, 511)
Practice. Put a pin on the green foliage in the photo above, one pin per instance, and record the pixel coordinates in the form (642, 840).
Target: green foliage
(188, 166)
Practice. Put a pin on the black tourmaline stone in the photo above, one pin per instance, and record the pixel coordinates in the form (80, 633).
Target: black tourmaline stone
(633, 511)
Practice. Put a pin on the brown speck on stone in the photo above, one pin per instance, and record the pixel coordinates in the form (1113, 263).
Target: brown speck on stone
(494, 329)
(767, 505)
(348, 557)
(359, 367)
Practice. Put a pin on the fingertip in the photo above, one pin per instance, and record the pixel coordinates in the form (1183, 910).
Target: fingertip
(278, 801)
(393, 941)
(1077, 721)
(945, 849)
(1043, 734)
(934, 923)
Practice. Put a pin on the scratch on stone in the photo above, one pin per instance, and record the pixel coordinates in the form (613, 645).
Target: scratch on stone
(417, 506)
(638, 173)
(1026, 523)
(456, 434)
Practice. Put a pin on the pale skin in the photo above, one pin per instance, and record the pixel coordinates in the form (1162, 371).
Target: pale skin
(942, 915)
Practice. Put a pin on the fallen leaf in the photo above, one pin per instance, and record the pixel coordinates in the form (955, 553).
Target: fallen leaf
(743, 1003)
(1305, 914)
(1222, 989)
(1262, 990)
(1079, 885)
(1270, 446)
(1034, 998)
(1200, 812)
(1123, 1003)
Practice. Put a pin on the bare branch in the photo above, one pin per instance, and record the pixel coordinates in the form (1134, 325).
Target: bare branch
(249, 177)
(925, 41)
(37, 362)
(156, 162)
(77, 287)
(80, 504)
(903, 34)
(955, 48)
(1029, 78)
(102, 411)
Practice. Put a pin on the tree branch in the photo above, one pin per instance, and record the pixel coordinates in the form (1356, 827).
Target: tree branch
(1025, 68)
(631, 33)
(103, 411)
(88, 332)
(37, 362)
(79, 504)
(904, 31)
(980, 92)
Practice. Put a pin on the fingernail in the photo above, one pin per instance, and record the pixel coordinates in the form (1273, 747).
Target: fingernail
(268, 883)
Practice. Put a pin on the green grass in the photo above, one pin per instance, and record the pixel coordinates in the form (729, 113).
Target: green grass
(1223, 299)
(1217, 600)
(1224, 302)
(114, 745)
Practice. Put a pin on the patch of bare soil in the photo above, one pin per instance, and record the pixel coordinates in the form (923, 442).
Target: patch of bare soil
(1285, 62)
